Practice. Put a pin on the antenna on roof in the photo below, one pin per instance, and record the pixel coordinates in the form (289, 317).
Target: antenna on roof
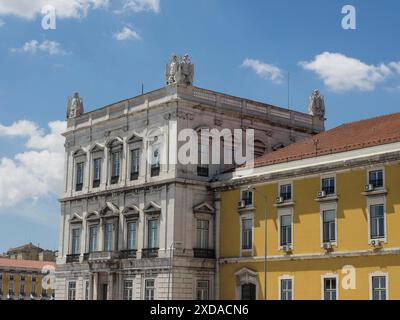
(288, 91)
(142, 88)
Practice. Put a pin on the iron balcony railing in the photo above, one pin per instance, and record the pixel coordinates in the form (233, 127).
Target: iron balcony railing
(150, 253)
(73, 258)
(204, 253)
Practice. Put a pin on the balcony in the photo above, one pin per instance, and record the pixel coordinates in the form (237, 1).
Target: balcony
(128, 254)
(73, 258)
(202, 171)
(134, 176)
(114, 180)
(204, 253)
(150, 253)
(103, 256)
(155, 170)
(96, 183)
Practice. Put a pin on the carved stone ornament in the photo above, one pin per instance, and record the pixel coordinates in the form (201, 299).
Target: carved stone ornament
(75, 106)
(316, 107)
(179, 70)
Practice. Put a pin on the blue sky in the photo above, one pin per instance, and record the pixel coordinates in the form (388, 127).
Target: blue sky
(107, 52)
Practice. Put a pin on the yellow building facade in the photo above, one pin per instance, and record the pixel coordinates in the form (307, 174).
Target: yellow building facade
(26, 279)
(332, 221)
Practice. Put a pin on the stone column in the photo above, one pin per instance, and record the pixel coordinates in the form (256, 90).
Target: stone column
(95, 286)
(91, 283)
(110, 291)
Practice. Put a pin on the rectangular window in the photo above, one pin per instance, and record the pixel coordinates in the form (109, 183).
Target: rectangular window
(76, 241)
(33, 287)
(377, 221)
(86, 290)
(247, 234)
(376, 178)
(149, 289)
(11, 285)
(286, 289)
(247, 197)
(202, 234)
(93, 239)
(71, 290)
(202, 290)
(131, 236)
(22, 287)
(379, 288)
(1, 284)
(329, 226)
(128, 290)
(80, 168)
(108, 237)
(152, 240)
(96, 172)
(330, 289)
(135, 164)
(286, 230)
(286, 192)
(115, 167)
(155, 161)
(328, 185)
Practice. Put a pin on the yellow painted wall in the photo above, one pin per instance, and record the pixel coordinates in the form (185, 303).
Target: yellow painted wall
(28, 284)
(352, 234)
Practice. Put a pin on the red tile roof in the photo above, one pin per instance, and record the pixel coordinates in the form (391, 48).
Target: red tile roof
(24, 264)
(351, 136)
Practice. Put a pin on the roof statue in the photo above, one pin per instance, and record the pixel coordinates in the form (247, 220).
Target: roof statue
(180, 70)
(316, 107)
(75, 106)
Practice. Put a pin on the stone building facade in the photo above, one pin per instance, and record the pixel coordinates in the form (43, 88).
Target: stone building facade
(133, 228)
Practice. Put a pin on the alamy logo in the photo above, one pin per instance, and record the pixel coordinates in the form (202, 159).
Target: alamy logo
(49, 20)
(349, 21)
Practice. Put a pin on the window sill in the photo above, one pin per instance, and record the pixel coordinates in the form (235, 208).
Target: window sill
(289, 203)
(376, 192)
(328, 198)
(247, 208)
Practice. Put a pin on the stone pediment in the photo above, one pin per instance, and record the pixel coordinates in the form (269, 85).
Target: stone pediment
(152, 208)
(204, 208)
(97, 148)
(109, 209)
(93, 216)
(131, 210)
(76, 218)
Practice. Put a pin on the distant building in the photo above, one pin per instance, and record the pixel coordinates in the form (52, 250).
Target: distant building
(25, 279)
(30, 252)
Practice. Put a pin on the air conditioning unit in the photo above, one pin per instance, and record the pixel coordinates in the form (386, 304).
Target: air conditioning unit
(287, 248)
(376, 243)
(321, 194)
(279, 200)
(328, 246)
(242, 204)
(369, 188)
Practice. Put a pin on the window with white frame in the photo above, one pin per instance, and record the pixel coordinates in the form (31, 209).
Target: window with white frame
(11, 285)
(93, 239)
(285, 192)
(131, 235)
(96, 172)
(247, 234)
(286, 222)
(286, 286)
(22, 286)
(375, 177)
(202, 232)
(80, 169)
(247, 197)
(108, 237)
(149, 290)
(128, 290)
(155, 160)
(377, 221)
(330, 288)
(76, 241)
(379, 287)
(115, 166)
(152, 239)
(329, 226)
(202, 290)
(328, 185)
(71, 290)
(135, 164)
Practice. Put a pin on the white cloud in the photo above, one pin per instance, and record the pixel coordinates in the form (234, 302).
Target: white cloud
(29, 9)
(264, 70)
(36, 172)
(341, 73)
(126, 34)
(395, 66)
(140, 5)
(34, 46)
